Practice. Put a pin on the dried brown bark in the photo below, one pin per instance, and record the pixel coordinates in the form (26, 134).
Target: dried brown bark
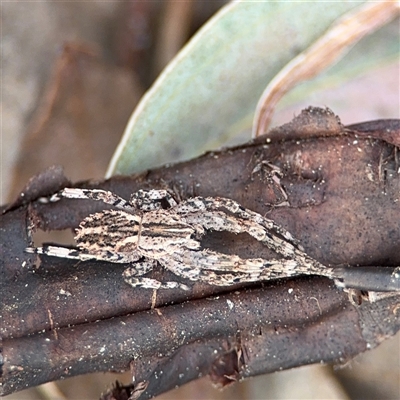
(338, 194)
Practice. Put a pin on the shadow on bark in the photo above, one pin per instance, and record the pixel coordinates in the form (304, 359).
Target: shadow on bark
(337, 190)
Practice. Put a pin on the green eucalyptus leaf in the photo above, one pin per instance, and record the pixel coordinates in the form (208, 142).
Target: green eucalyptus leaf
(373, 51)
(209, 91)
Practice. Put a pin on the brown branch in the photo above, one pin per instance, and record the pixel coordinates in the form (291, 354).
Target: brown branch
(339, 195)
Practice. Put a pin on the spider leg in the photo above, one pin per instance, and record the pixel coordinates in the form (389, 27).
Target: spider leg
(149, 283)
(175, 264)
(210, 260)
(140, 268)
(150, 200)
(76, 254)
(132, 276)
(55, 251)
(212, 268)
(252, 269)
(203, 204)
(94, 194)
(207, 212)
(219, 221)
(210, 276)
(177, 267)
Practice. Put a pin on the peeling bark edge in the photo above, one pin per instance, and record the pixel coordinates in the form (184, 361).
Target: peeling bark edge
(242, 322)
(374, 324)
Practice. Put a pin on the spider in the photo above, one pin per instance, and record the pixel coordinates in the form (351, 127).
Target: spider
(152, 227)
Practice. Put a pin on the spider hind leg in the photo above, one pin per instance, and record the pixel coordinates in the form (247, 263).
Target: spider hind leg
(76, 254)
(55, 251)
(94, 194)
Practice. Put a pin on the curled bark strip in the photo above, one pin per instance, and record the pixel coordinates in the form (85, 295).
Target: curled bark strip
(338, 194)
(338, 40)
(44, 184)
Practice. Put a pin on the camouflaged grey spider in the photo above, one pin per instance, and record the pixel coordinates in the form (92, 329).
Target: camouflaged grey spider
(153, 228)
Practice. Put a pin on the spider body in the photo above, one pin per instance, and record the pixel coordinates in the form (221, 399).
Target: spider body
(152, 228)
(133, 236)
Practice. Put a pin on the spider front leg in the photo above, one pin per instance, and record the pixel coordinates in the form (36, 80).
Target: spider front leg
(224, 270)
(268, 224)
(201, 204)
(206, 270)
(208, 213)
(94, 194)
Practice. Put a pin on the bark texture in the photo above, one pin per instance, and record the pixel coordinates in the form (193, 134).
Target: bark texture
(337, 191)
